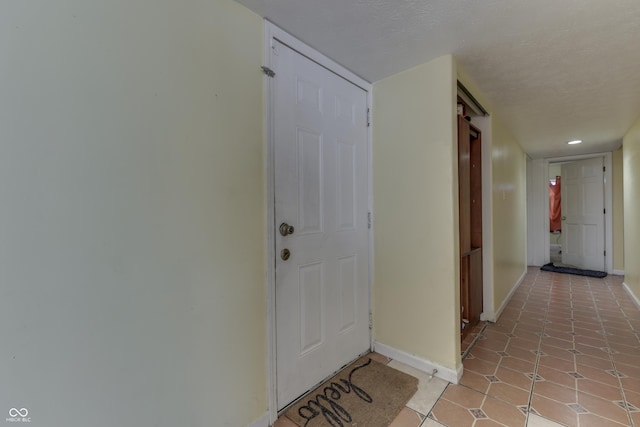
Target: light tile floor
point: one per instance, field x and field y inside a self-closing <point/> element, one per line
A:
<point x="564" y="352"/>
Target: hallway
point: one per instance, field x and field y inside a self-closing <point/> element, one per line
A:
<point x="564" y="352"/>
<point x="564" y="348"/>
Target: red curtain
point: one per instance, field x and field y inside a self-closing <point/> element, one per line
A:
<point x="555" y="221"/>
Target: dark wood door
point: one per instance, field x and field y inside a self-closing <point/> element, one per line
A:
<point x="470" y="217"/>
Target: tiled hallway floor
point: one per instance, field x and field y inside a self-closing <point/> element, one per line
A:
<point x="566" y="351"/>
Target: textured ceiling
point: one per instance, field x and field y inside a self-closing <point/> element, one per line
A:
<point x="554" y="70"/>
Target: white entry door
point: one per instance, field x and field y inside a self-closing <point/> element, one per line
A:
<point x="582" y="205"/>
<point x="322" y="291"/>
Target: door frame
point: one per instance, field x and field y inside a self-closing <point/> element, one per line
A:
<point x="608" y="204"/>
<point x="488" y="310"/>
<point x="271" y="33"/>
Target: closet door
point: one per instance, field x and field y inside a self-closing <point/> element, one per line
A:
<point x="470" y="227"/>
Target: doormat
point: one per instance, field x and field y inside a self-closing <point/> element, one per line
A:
<point x="364" y="394"/>
<point x="576" y="271"/>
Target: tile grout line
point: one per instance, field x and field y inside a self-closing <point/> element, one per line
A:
<point x="435" y="403"/>
<point x="615" y="368"/>
<point x="526" y="414"/>
<point x="535" y="368"/>
<point x="474" y="341"/>
<point x="613" y="362"/>
<point x="495" y="372"/>
<point x="604" y="335"/>
<point x="540" y="291"/>
<point x="485" y="394"/>
<point x="573" y="329"/>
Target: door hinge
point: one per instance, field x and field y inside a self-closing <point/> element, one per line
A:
<point x="370" y="321"/>
<point x="368" y="117"/>
<point x="268" y="71"/>
<point x="605" y="253"/>
<point x="604" y="168"/>
<point x="604" y="211"/>
<point x="369" y="220"/>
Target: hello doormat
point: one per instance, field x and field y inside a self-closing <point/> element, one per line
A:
<point x="364" y="394"/>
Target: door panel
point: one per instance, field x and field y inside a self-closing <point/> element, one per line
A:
<point x="347" y="285"/>
<point x="311" y="288"/>
<point x="320" y="155"/>
<point x="346" y="154"/>
<point x="582" y="202"/>
<point x="310" y="179"/>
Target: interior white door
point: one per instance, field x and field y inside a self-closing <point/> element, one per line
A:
<point x="322" y="292"/>
<point x="582" y="205"/>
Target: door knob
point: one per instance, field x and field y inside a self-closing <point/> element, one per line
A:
<point x="564" y="218"/>
<point x="285" y="254"/>
<point x="286" y="229"/>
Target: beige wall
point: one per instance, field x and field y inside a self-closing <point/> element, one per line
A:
<point x="509" y="212"/>
<point x="631" y="176"/>
<point x="416" y="290"/>
<point x="132" y="250"/>
<point x="618" y="210"/>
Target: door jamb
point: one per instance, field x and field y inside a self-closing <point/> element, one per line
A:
<point x="272" y="32"/>
<point x="608" y="204"/>
<point x="488" y="309"/>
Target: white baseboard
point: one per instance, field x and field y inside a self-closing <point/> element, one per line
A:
<point x="447" y="374"/>
<point x="617" y="272"/>
<point x="491" y="317"/>
<point x="496" y="315"/>
<point x="263" y="421"/>
<point x="631" y="294"/>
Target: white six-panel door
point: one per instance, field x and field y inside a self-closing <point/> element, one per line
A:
<point x="582" y="205"/>
<point x="320" y="150"/>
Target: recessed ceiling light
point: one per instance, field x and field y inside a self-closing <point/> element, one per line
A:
<point x="577" y="141"/>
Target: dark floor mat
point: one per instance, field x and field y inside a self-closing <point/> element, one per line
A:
<point x="576" y="271"/>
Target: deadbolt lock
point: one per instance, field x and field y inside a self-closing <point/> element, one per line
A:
<point x="286" y="229"/>
<point x="285" y="254"/>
